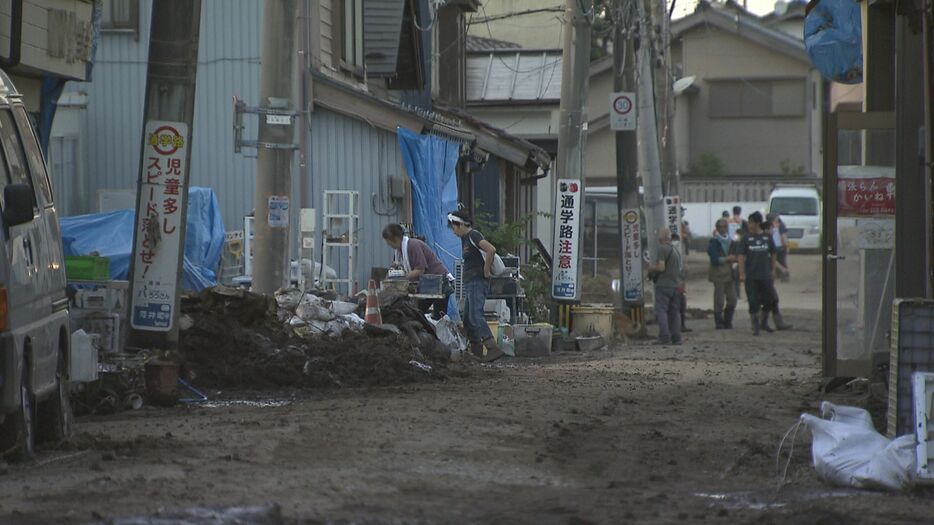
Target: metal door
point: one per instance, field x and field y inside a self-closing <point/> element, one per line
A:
<point x="858" y="241"/>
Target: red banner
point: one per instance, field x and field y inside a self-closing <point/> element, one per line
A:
<point x="860" y="197"/>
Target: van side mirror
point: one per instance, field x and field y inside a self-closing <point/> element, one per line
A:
<point x="18" y="204"/>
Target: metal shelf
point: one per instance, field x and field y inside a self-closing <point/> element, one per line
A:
<point x="341" y="209"/>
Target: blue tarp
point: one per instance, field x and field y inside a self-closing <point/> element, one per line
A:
<point x="111" y="235"/>
<point x="833" y="38"/>
<point x="431" y="163"/>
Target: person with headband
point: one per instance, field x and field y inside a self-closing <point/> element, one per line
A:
<point x="478" y="262"/>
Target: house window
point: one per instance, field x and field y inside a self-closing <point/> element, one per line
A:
<point x="350" y="26"/>
<point x="120" y="15"/>
<point x="744" y="98"/>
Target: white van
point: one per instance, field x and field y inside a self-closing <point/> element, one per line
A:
<point x="34" y="337"/>
<point x="800" y="210"/>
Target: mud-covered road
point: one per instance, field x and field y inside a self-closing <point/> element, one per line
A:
<point x="633" y="434"/>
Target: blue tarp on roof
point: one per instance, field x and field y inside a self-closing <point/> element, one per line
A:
<point x="111" y="235"/>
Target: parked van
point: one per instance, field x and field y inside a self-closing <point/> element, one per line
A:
<point x="34" y="336"/>
<point x="800" y="209"/>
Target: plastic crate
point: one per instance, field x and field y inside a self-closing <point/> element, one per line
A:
<point x="912" y="351"/>
<point x="87" y="268"/>
<point x="533" y="340"/>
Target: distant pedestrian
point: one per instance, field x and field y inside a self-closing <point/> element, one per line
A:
<point x="665" y="272"/>
<point x="722" y="258"/>
<point x="682" y="289"/>
<point x="771" y="229"/>
<point x="756" y="267"/>
<point x="737" y="229"/>
<point x="780" y="238"/>
<point x="478" y="263"/>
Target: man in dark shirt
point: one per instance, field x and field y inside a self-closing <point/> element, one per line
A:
<point x="478" y="263"/>
<point x="417" y="259"/>
<point x="757" y="268"/>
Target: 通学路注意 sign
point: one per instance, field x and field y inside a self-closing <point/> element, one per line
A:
<point x="622" y="111"/>
<point x="159" y="219"/>
<point x="564" y="274"/>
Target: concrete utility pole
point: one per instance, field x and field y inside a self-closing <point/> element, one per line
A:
<point x="647" y="132"/>
<point x="627" y="149"/>
<point x="664" y="94"/>
<point x="575" y="81"/>
<point x="275" y="151"/>
<point x="162" y="191"/>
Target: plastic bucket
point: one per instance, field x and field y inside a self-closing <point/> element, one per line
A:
<point x="586" y="320"/>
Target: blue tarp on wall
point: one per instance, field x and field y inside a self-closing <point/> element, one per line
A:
<point x="111" y="235"/>
<point x="833" y="38"/>
<point x="431" y="163"/>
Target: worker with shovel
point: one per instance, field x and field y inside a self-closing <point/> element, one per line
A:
<point x="478" y="264"/>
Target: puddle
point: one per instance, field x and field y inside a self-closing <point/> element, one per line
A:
<point x="772" y="500"/>
<point x="262" y="403"/>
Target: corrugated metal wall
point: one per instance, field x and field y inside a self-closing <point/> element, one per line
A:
<point x="228" y="64"/>
<point x="349" y="154"/>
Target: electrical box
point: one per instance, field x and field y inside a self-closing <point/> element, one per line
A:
<point x="397" y="187"/>
<point x="912" y="351"/>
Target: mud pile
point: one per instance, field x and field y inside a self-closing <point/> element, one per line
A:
<point x="235" y="339"/>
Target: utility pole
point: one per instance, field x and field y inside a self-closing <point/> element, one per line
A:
<point x="275" y="149"/>
<point x="627" y="150"/>
<point x="664" y="94"/>
<point x="647" y="132"/>
<point x="162" y="189"/>
<point x="575" y="80"/>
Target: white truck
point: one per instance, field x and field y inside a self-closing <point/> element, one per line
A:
<point x="800" y="210"/>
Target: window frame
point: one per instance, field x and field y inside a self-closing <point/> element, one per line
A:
<point x="130" y="26"/>
<point x="34" y="158"/>
<point x="9" y="150"/>
<point x="746" y="84"/>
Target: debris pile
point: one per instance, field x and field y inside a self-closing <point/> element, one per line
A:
<point x="232" y="338"/>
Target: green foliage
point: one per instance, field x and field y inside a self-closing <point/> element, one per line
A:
<point x="789" y="171"/>
<point x="708" y="165"/>
<point x="508" y="238"/>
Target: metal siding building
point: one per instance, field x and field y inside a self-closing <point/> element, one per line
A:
<point x="228" y="64"/>
<point x="349" y="154"/>
<point x="344" y="153"/>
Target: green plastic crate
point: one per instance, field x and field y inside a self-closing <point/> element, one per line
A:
<point x="87" y="268"/>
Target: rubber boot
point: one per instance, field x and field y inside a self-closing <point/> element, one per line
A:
<point x="728" y="318"/>
<point x="755" y="323"/>
<point x="765" y="323"/>
<point x="476" y="348"/>
<point x="780" y="323"/>
<point x="718" y="320"/>
<point x="492" y="350"/>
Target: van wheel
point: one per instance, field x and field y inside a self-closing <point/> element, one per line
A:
<point x="55" y="416"/>
<point x="17" y="434"/>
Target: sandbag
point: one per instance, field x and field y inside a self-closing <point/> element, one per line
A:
<point x="847" y="450"/>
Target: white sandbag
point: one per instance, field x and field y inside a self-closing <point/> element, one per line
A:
<point x="309" y="311"/>
<point x="448" y="334"/>
<point x="847" y="450"/>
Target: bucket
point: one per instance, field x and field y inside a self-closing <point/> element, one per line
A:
<point x="589" y="319"/>
<point x="161" y="380"/>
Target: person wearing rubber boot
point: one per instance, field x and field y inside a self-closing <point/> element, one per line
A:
<point x="720" y="274"/>
<point x="771" y="227"/>
<point x="478" y="263"/>
<point x="666" y="273"/>
<point x="757" y="260"/>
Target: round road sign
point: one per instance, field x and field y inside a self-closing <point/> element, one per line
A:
<point x="622" y="104"/>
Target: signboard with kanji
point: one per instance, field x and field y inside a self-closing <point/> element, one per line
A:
<point x="673" y="214"/>
<point x="622" y="111"/>
<point x="865" y="196"/>
<point x="159" y="239"/>
<point x="564" y="271"/>
<point x="632" y="256"/>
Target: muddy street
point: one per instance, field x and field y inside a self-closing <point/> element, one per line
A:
<point x="633" y="434"/>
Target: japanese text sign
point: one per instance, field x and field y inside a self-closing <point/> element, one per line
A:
<point x="632" y="255"/>
<point x="564" y="271"/>
<point x="865" y="196"/>
<point x="159" y="223"/>
<point x="673" y="214"/>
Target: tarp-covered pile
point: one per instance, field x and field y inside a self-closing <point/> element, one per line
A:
<point x="111" y="235"/>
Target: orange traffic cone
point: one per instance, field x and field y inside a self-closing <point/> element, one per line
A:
<point x="373" y="316"/>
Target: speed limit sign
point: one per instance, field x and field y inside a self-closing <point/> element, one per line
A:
<point x="623" y="111"/>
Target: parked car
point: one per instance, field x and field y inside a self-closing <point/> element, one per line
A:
<point x="34" y="335"/>
<point x="800" y="209"/>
